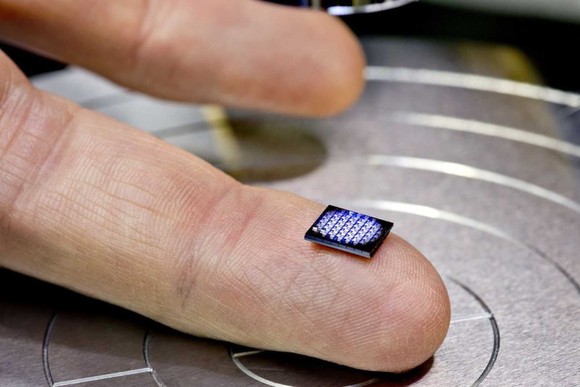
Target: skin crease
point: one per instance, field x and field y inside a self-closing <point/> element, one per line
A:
<point x="113" y="213"/>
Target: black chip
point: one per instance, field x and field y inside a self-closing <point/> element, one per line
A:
<point x="349" y="231"/>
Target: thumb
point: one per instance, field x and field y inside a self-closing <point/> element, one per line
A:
<point x="248" y="54"/>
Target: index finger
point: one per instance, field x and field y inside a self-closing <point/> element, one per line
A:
<point x="111" y="212"/>
<point x="240" y="53"/>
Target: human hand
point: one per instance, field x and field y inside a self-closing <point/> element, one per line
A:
<point x="111" y="212"/>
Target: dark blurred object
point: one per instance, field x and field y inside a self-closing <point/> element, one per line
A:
<point x="547" y="43"/>
<point x="31" y="64"/>
<point x="347" y="7"/>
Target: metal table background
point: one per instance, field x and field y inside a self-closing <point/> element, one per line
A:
<point x="481" y="172"/>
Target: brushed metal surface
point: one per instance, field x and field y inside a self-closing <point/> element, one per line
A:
<point x="477" y="168"/>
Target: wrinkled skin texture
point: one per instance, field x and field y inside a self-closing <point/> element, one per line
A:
<point x="98" y="207"/>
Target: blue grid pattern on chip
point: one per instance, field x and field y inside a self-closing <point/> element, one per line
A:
<point x="348" y="227"/>
<point x="349" y="231"/>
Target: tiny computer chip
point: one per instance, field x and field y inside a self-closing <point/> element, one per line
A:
<point x="349" y="231"/>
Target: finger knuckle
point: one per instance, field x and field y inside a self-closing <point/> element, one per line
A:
<point x="29" y="144"/>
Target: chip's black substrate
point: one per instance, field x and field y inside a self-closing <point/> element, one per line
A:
<point x="349" y="231"/>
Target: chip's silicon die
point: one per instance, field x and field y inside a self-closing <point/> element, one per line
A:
<point x="349" y="231"/>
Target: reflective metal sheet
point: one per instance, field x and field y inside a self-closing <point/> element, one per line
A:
<point x="494" y="207"/>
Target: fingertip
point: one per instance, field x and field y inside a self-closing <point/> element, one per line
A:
<point x="402" y="314"/>
<point x="417" y="312"/>
<point x="423" y="311"/>
<point x="338" y="82"/>
<point x="262" y="56"/>
<point x="307" y="64"/>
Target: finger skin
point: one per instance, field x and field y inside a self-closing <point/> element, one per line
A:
<point x="242" y="53"/>
<point x="113" y="213"/>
